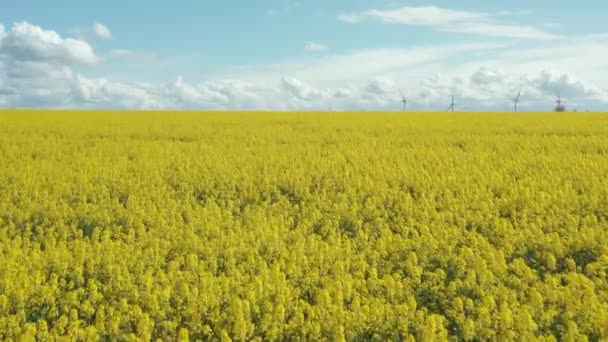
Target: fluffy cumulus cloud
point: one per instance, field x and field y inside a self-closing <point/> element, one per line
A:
<point x="483" y="90"/>
<point x="102" y="93"/>
<point x="299" y="89"/>
<point x="555" y="83"/>
<point x="27" y="42"/>
<point x="36" y="66"/>
<point x="381" y="86"/>
<point x="492" y="89"/>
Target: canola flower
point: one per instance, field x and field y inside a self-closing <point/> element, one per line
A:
<point x="303" y="226"/>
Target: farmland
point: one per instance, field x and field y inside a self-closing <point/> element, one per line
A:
<point x="343" y="226"/>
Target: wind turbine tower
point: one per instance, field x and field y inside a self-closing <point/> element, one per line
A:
<point x="403" y="100"/>
<point x="516" y="100"/>
<point x="560" y="107"/>
<point x="452" y="105"/>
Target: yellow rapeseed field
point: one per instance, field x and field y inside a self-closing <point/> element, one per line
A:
<point x="303" y="226"/>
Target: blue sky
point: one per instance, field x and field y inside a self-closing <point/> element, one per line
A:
<point x="303" y="55"/>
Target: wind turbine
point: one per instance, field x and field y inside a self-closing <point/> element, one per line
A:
<point x="403" y="100"/>
<point x="516" y="100"/>
<point x="560" y="107"/>
<point x="452" y="105"/>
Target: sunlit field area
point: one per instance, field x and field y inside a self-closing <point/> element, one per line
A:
<point x="303" y="226"/>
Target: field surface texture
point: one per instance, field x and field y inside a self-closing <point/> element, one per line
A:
<point x="315" y="226"/>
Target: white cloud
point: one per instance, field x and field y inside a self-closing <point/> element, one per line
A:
<point x="485" y="76"/>
<point x="247" y="95"/>
<point x="185" y="93"/>
<point x="27" y="42"/>
<point x="381" y="86"/>
<point x="342" y="93"/>
<point x="449" y="20"/>
<point x="34" y="84"/>
<point x="427" y="15"/>
<point x="302" y="90"/>
<point x="484" y="89"/>
<point x="35" y="65"/>
<point x="38" y="70"/>
<point x="493" y="89"/>
<point x="551" y="83"/>
<point x="102" y="93"/>
<point x="314" y="46"/>
<point x="101" y="31"/>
